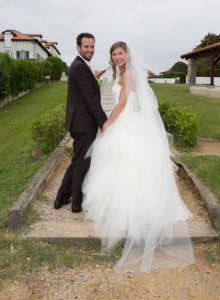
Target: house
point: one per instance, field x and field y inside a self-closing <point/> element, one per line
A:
<point x="27" y="45"/>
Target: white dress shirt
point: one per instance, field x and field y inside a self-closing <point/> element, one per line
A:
<point x="88" y="64"/>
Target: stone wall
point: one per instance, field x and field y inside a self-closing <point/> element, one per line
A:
<point x="207" y="91"/>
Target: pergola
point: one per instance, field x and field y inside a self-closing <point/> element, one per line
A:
<point x="212" y="52"/>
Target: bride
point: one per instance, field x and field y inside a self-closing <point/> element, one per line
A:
<point x="130" y="192"/>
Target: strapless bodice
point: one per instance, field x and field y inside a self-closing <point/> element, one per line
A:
<point x="132" y="101"/>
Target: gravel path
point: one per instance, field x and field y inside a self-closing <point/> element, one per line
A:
<point x="199" y="281"/>
<point x="63" y="223"/>
<point x="207" y="147"/>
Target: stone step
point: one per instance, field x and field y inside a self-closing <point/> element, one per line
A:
<point x="78" y="228"/>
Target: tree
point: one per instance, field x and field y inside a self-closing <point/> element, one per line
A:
<point x="209" y="39"/>
<point x="179" y="67"/>
<point x="57" y="67"/>
<point x="204" y="64"/>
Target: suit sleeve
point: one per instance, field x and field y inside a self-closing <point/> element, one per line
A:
<point x="82" y="77"/>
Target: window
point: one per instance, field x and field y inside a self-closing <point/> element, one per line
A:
<point x="22" y="54"/>
<point x="39" y="57"/>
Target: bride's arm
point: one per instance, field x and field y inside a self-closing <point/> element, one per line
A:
<point x="120" y="105"/>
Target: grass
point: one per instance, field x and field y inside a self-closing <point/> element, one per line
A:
<point x="16" y="164"/>
<point x="206" y="109"/>
<point x="212" y="252"/>
<point x="21" y="256"/>
<point x="207" y="168"/>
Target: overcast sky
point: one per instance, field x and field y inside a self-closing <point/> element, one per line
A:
<point x="159" y="30"/>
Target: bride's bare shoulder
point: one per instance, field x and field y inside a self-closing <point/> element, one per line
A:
<point x="128" y="79"/>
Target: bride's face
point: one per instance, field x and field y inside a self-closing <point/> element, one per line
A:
<point x="119" y="56"/>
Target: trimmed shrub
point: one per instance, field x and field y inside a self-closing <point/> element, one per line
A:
<point x="57" y="67"/>
<point x="180" y="123"/>
<point x="49" y="130"/>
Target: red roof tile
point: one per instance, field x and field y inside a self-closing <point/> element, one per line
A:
<point x="18" y="36"/>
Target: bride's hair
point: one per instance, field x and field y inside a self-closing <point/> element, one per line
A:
<point x="113" y="47"/>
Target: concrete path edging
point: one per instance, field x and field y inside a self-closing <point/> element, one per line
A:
<point x="36" y="185"/>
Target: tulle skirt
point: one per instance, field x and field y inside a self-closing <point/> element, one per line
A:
<point x="130" y="194"/>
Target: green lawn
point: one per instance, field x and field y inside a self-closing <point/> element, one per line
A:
<point x="19" y="256"/>
<point x="207" y="168"/>
<point x="16" y="164"/>
<point x="207" y="109"/>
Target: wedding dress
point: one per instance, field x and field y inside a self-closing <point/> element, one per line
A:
<point x="130" y="193"/>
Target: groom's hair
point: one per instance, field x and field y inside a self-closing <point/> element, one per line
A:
<point x="82" y="35"/>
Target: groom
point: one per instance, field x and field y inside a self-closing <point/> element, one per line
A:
<point x="84" y="115"/>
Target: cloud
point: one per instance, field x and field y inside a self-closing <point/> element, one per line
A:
<point x="160" y="31"/>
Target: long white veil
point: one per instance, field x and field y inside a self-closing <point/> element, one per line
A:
<point x="163" y="241"/>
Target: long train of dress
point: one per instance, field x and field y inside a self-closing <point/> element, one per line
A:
<point x="130" y="194"/>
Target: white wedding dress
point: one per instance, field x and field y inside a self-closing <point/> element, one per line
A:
<point x="130" y="194"/>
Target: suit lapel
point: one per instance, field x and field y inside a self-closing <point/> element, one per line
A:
<point x="93" y="76"/>
<point x="78" y="57"/>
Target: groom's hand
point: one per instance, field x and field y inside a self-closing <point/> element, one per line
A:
<point x="99" y="73"/>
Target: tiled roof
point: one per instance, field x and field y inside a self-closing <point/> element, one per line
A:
<point x="50" y="44"/>
<point x="35" y="34"/>
<point x="19" y="36"/>
<point x="151" y="73"/>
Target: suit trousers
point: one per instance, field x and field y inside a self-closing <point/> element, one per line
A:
<point x="75" y="173"/>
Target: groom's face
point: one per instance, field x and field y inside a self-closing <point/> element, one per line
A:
<point x="87" y="48"/>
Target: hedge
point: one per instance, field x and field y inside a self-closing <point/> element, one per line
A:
<point x="5" y="73"/>
<point x="49" y="130"/>
<point x="180" y="123"/>
<point x="17" y="75"/>
<point x="57" y="67"/>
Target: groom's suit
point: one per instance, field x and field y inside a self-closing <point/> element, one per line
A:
<point x="84" y="114"/>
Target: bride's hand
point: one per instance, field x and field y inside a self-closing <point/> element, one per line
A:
<point x="105" y="126"/>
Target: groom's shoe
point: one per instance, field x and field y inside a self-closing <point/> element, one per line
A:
<point x="76" y="209"/>
<point x="58" y="205"/>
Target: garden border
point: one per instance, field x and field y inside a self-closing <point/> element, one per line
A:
<point x="208" y="197"/>
<point x="36" y="185"/>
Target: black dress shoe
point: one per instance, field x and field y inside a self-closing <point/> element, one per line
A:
<point x="58" y="205"/>
<point x="76" y="209"/>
